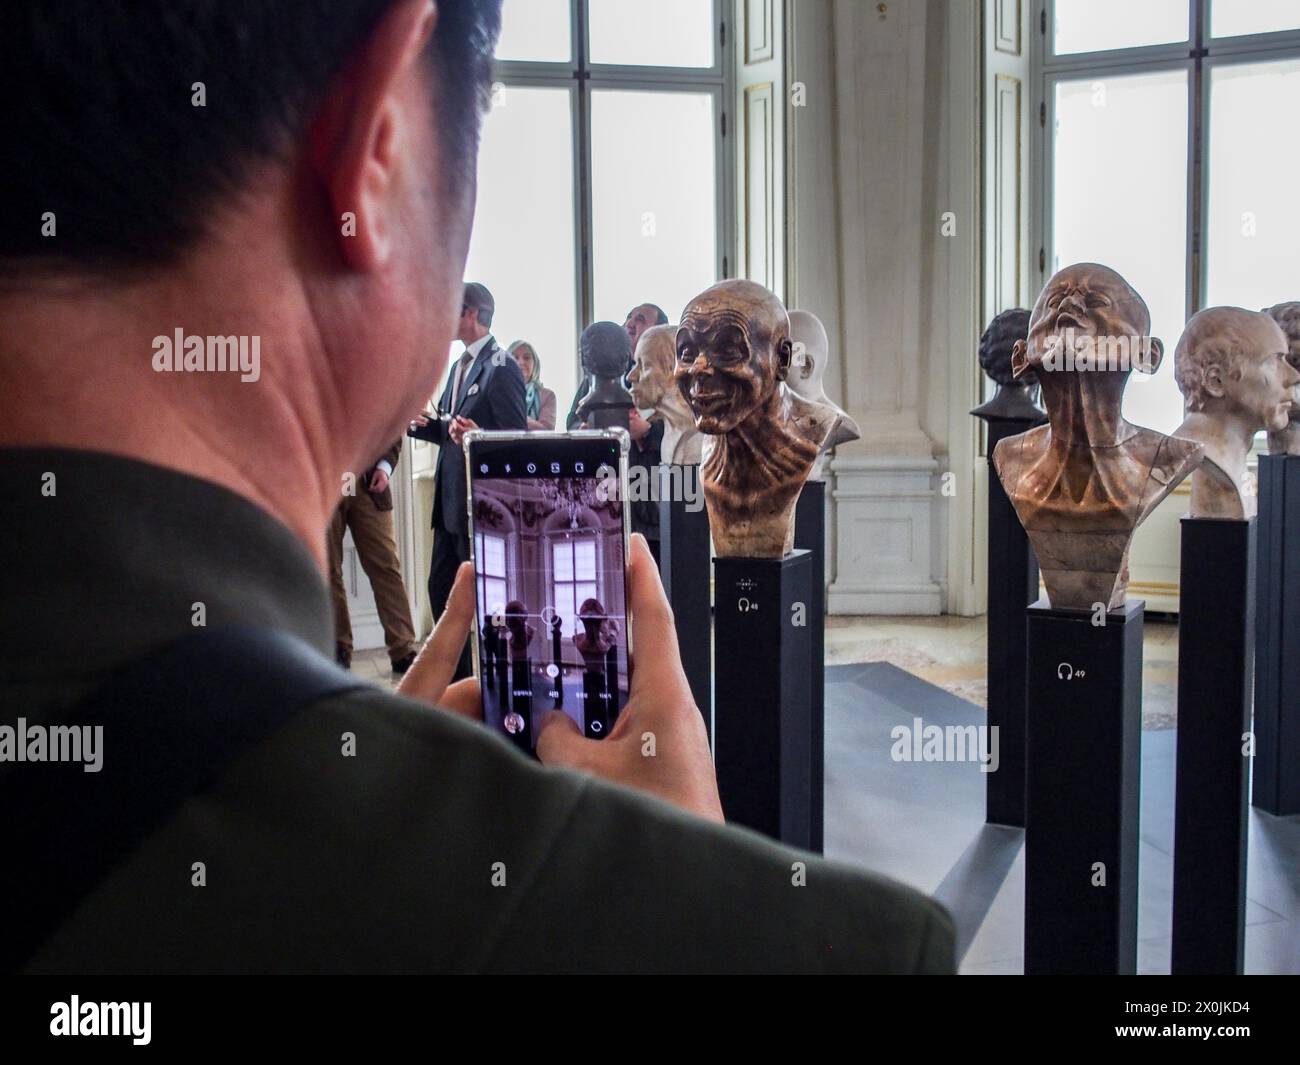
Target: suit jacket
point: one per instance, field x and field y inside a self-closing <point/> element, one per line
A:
<point x="491" y="396"/>
<point x="572" y="421"/>
<point x="382" y="500"/>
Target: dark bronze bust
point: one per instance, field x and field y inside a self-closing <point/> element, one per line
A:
<point x="606" y="356"/>
<point x="733" y="355"/>
<point x="1085" y="481"/>
<point x="1016" y="399"/>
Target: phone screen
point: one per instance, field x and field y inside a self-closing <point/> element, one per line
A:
<point x="549" y="530"/>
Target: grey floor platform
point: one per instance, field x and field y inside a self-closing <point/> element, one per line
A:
<point x="923" y="823"/>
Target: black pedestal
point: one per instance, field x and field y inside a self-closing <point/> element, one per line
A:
<point x="1013" y="585"/>
<point x="810" y="534"/>
<point x="684" y="568"/>
<point x="1083" y="730"/>
<point x="1277" y="638"/>
<point x="763" y="693"/>
<point x="1215" y="623"/>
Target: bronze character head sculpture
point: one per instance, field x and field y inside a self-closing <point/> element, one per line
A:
<point x="606" y="355"/>
<point x="1084" y="482"/>
<point x="1016" y="398"/>
<point x="734" y="353"/>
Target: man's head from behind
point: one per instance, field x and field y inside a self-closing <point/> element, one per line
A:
<point x="476" y="311"/>
<point x="301" y="171"/>
<point x="1232" y="363"/>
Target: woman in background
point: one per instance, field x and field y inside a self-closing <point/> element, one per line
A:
<point x="539" y="402"/>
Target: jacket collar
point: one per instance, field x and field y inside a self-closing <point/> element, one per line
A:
<point x="125" y="557"/>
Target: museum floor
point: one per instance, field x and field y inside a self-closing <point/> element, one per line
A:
<point x="923" y="822"/>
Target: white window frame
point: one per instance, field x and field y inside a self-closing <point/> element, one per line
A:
<point x="581" y="77"/>
<point x="1197" y="55"/>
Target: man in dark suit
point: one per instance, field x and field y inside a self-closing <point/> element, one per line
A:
<point x="485" y="390"/>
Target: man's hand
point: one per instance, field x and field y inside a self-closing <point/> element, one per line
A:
<point x="379" y="481"/>
<point x="419" y="421"/>
<point x="637" y="426"/>
<point x="459" y="427"/>
<point x="660" y="716"/>
<point x="427" y="679"/>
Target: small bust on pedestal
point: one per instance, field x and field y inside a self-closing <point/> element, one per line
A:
<point x="519" y="630"/>
<point x="1232" y="369"/>
<point x="1083" y="483"/>
<point x="733" y="357"/>
<point x="653" y="388"/>
<point x="811" y="354"/>
<point x="1016" y="399"/>
<point x="598" y="635"/>
<point x="606" y="354"/>
<point x="1287" y="441"/>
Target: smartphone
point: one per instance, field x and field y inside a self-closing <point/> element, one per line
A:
<point x="549" y="528"/>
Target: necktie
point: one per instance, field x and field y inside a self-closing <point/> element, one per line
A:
<point x="461" y="367"/>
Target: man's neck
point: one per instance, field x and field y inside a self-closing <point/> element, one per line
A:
<point x="76" y="371"/>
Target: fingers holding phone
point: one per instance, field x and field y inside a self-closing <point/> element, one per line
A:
<point x="430" y="674"/>
<point x="659" y="743"/>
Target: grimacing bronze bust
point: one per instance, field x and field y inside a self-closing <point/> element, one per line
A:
<point x="1287" y="315"/>
<point x="733" y="355"/>
<point x="1082" y="483"/>
<point x="1232" y="369"/>
<point x="654" y="388"/>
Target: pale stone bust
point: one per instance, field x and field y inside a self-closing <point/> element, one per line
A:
<point x="1084" y="482"/>
<point x="1232" y="369"/>
<point x="807" y="370"/>
<point x="1287" y="315"/>
<point x="734" y="355"/>
<point x="654" y="388"/>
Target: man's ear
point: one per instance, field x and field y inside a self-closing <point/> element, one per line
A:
<point x="368" y="130"/>
<point x="784" y="353"/>
<point x="1155" y="355"/>
<point x="1019" y="358"/>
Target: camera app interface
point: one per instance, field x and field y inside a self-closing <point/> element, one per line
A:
<point x="548" y="554"/>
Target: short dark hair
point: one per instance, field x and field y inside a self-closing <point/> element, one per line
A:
<point x="96" y="105"/>
<point x="478" y="297"/>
